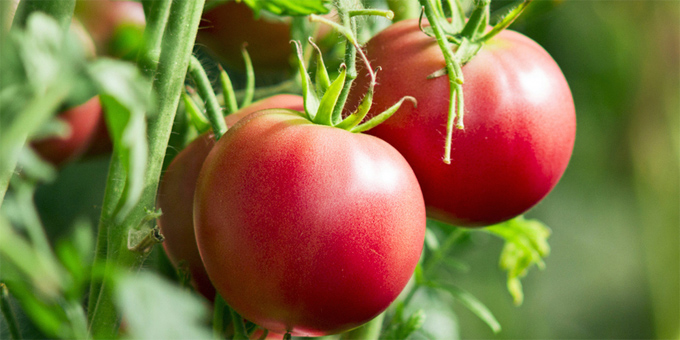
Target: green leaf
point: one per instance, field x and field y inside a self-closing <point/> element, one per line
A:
<point x="125" y="97"/>
<point x="288" y="7"/>
<point x="471" y="303"/>
<point x="526" y="245"/>
<point x="431" y="240"/>
<point x="157" y="309"/>
<point x="402" y="329"/>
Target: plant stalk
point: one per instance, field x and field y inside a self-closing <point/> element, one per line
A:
<point x="455" y="75"/>
<point x="205" y="90"/>
<point x="177" y="43"/>
<point x="156" y="20"/>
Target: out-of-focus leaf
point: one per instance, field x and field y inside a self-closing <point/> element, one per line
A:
<point x="41" y="66"/>
<point x="50" y="318"/>
<point x="431" y="241"/>
<point x="402" y="329"/>
<point x="288" y="7"/>
<point x="470" y="302"/>
<point x="34" y="167"/>
<point x="156" y="309"/>
<point x="40" y="269"/>
<point x="75" y="253"/>
<point x="526" y="244"/>
<point x="125" y="96"/>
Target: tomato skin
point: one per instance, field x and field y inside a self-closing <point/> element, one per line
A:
<point x="519" y="120"/>
<point x="226" y="27"/>
<point x="82" y="121"/>
<point x="307" y="228"/>
<point x="176" y="192"/>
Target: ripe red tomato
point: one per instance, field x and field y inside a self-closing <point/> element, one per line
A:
<point x="176" y="193"/>
<point x="226" y="27"/>
<point x="519" y="120"/>
<point x="82" y="121"/>
<point x="307" y="228"/>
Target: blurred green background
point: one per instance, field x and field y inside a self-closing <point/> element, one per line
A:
<point x="615" y="264"/>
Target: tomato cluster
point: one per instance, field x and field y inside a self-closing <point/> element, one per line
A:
<point x="519" y="131"/>
<point x="312" y="230"/>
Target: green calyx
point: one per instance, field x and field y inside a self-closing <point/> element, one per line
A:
<point x="325" y="99"/>
<point x="467" y="39"/>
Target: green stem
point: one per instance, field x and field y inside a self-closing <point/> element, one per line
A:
<point x="368" y="331"/>
<point x="156" y="20"/>
<point x="8" y="313"/>
<point x="249" y="91"/>
<point x="455" y="75"/>
<point x="112" y="247"/>
<point x="219" y="317"/>
<point x="478" y="19"/>
<point x="61" y="10"/>
<point x="205" y="90"/>
<point x="505" y="23"/>
<point x="228" y="94"/>
<point x="404" y="9"/>
<point x="239" y="327"/>
<point x="372" y="11"/>
<point x="350" y="60"/>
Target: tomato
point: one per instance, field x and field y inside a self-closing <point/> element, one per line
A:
<point x="519" y="121"/>
<point x="226" y="27"/>
<point x="176" y="192"/>
<point x="115" y="26"/>
<point x="82" y="121"/>
<point x="307" y="228"/>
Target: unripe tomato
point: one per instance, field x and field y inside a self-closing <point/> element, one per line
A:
<point x="519" y="123"/>
<point x="225" y="28"/>
<point x="82" y="121"/>
<point x="305" y="228"/>
<point x="176" y="194"/>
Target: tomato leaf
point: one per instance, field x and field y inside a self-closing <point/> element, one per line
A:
<point x="157" y="309"/>
<point x="124" y="95"/>
<point x="526" y="245"/>
<point x="42" y="67"/>
<point x="288" y="7"/>
<point x="471" y="303"/>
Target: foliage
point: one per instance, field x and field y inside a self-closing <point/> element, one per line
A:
<point x="45" y="68"/>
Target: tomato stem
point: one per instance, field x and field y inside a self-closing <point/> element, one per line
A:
<point x="156" y="19"/>
<point x="505" y="22"/>
<point x="372" y="11"/>
<point x="239" y="327"/>
<point x="207" y="93"/>
<point x="455" y="75"/>
<point x="228" y="94"/>
<point x="403" y="9"/>
<point x="250" y="78"/>
<point x="111" y="250"/>
<point x="196" y="118"/>
<point x="220" y="318"/>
